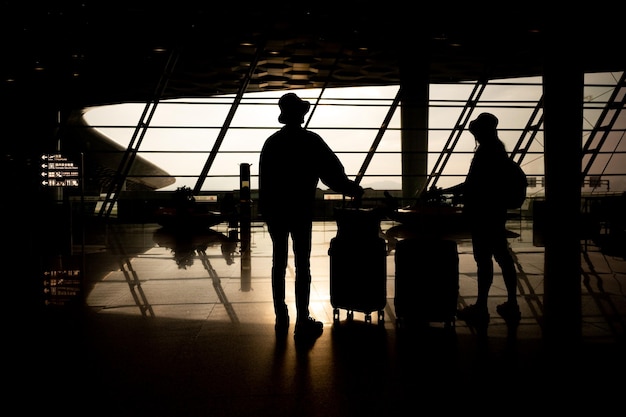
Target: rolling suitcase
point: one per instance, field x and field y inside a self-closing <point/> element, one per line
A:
<point x="426" y="281"/>
<point x="358" y="276"/>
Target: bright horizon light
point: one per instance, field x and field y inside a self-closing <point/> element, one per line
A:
<point x="183" y="132"/>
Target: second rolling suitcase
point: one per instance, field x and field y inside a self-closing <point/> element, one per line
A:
<point x="426" y="281"/>
<point x="358" y="276"/>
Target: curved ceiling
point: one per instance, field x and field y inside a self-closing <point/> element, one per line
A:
<point x="92" y="52"/>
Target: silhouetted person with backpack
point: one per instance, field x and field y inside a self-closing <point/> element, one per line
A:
<point x="292" y="162"/>
<point x="486" y="212"/>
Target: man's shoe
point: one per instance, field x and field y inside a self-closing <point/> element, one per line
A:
<point x="509" y="312"/>
<point x="308" y="328"/>
<point x="282" y="324"/>
<point x="474" y="315"/>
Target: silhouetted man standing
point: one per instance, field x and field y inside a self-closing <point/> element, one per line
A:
<point x="292" y="162"/>
<point x="486" y="213"/>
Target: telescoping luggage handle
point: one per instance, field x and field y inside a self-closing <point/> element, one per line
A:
<point x="353" y="202"/>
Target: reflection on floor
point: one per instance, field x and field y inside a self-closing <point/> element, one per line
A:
<point x="182" y="325"/>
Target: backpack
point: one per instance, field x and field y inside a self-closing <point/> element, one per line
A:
<point x="515" y="191"/>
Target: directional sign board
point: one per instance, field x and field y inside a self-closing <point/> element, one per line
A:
<point x="62" y="280"/>
<point x="58" y="171"/>
<point x="61" y="287"/>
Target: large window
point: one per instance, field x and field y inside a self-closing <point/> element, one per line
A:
<point x="183" y="133"/>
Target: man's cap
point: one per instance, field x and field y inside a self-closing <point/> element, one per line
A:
<point x="292" y="107"/>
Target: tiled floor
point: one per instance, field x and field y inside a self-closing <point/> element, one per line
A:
<point x="161" y="339"/>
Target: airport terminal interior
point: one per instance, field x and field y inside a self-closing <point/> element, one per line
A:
<point x="141" y="268"/>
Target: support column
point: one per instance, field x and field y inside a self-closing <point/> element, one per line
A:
<point x="414" y="135"/>
<point x="563" y="82"/>
<point x="29" y="122"/>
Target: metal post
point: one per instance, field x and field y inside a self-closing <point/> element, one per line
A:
<point x="244" y="225"/>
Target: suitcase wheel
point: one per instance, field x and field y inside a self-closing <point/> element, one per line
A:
<point x="350" y="316"/>
<point x="381" y="317"/>
<point x="336" y="315"/>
